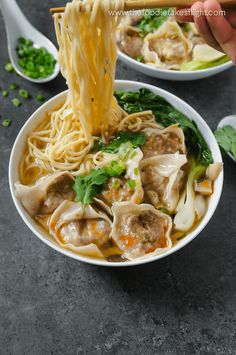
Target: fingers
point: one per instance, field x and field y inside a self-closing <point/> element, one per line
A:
<point x="221" y="29"/>
<point x="187" y="15"/>
<point x="231" y="17"/>
<point x="203" y="26"/>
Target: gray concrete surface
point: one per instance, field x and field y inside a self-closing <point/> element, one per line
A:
<point x="49" y="304"/>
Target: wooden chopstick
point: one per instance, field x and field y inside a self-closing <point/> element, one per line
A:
<point x="151" y="4"/>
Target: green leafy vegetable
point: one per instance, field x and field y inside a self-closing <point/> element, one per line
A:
<point x="24" y="93"/>
<point x="136" y="139"/>
<point x="185" y="217"/>
<point x="166" y="115"/>
<point x="5" y="93"/>
<point x="35" y="62"/>
<point x="87" y="187"/>
<point x="97" y="146"/>
<point x="16" y="102"/>
<point x="153" y="19"/>
<point x="226" y="138"/>
<point x="6" y="122"/>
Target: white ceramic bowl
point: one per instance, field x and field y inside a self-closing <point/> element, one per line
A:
<point x="172" y="74"/>
<point x="38" y="115"/>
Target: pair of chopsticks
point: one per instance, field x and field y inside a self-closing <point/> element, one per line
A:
<point x="151" y="4"/>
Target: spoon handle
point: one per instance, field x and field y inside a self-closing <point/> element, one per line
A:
<point x="14" y="19"/>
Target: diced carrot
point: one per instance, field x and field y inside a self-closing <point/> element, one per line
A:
<point x="128" y="240"/>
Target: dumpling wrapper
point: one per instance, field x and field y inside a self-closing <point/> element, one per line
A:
<point x="111" y="195"/>
<point x="169" y="140"/>
<point x="68" y="214"/>
<point x="161" y="177"/>
<point x="167" y="48"/>
<point x="32" y="197"/>
<point x="127" y="226"/>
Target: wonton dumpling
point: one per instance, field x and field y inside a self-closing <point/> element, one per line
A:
<point x="129" y="41"/>
<point x="168" y="47"/>
<point x="164" y="141"/>
<point x="118" y="189"/>
<point x="46" y="194"/>
<point x="81" y="228"/>
<point x="162" y="179"/>
<point x="139" y="230"/>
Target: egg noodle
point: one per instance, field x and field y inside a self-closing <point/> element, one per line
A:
<point x="87" y="56"/>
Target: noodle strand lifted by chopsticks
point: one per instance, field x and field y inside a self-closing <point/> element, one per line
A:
<point x="87" y="56"/>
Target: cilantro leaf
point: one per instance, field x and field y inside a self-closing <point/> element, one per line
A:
<point x="226" y="138"/>
<point x="153" y="19"/>
<point x="87" y="187"/>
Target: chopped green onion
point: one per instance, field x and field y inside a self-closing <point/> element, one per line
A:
<point x="40" y="98"/>
<point x="133" y="154"/>
<point x="6" y="123"/>
<point x="35" y="62"/>
<point x="9" y="67"/>
<point x="136" y="171"/>
<point x="124" y="150"/>
<point x="13" y="86"/>
<point x="131" y="184"/>
<point x="5" y="93"/>
<point x="16" y="102"/>
<point x="116" y="184"/>
<point x="140" y="59"/>
<point x="116" y="168"/>
<point x="23" y="93"/>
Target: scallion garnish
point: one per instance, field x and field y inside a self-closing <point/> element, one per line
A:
<point x="35" y="62"/>
<point x="5" y="93"/>
<point x="6" y="122"/>
<point x="16" y="102"/>
<point x="131" y="184"/>
<point x="13" y="86"/>
<point x="9" y="67"/>
<point x="40" y="98"/>
<point x="23" y="93"/>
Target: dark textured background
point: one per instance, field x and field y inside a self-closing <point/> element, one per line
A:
<point x="50" y="304"/>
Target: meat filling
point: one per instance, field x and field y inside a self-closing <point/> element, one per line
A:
<point x="166" y="143"/>
<point x="84" y="232"/>
<point x="56" y="194"/>
<point x="117" y="190"/>
<point x="130" y="42"/>
<point x="142" y="234"/>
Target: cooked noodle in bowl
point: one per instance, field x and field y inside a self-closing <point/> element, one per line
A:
<point x="112" y="173"/>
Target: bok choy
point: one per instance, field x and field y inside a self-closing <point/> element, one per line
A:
<point x="167" y="115"/>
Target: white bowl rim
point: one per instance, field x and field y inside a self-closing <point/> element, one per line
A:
<point x="186" y="240"/>
<point x="187" y="73"/>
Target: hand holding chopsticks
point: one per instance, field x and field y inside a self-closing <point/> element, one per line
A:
<point x="151" y="4"/>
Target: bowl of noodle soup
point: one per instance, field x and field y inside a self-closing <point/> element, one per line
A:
<point x="154" y="43"/>
<point x="126" y="86"/>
